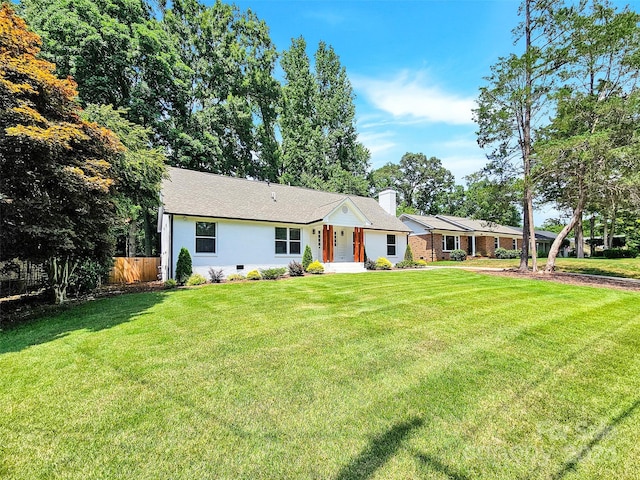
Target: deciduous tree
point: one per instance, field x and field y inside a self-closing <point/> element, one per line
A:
<point x="55" y="198"/>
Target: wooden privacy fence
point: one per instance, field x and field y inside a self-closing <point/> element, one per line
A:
<point x="134" y="269"/>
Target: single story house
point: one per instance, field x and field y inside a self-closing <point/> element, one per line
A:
<point x="544" y="240"/>
<point x="239" y="225"/>
<point x="433" y="237"/>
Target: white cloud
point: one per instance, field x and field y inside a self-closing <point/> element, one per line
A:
<point x="377" y="142"/>
<point x="410" y="95"/>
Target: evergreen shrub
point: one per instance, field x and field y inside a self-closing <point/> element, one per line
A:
<point x="196" y="279"/>
<point x="458" y="255"/>
<point x="273" y="273"/>
<point x="235" y="277"/>
<point x="307" y="257"/>
<point x="184" y="267"/>
<point x="254" y="275"/>
<point x="408" y="254"/>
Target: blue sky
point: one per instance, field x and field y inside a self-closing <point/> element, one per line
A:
<point x="415" y="66"/>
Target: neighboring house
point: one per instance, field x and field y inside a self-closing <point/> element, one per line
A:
<point x="544" y="240"/>
<point x="433" y="237"/>
<point x="239" y="225"/>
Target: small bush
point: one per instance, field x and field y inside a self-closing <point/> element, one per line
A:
<point x="184" y="267"/>
<point x="296" y="269"/>
<point x="383" y="264"/>
<point x="196" y="279"/>
<point x="315" y="267"/>
<point x="369" y="264"/>
<point x="458" y="255"/>
<point x="216" y="275"/>
<point x="408" y="254"/>
<point x="254" y="275"/>
<point x="273" y="273"/>
<point x="307" y="257"/>
<point x="170" y="283"/>
<point x="503" y="253"/>
<point x="420" y="263"/>
<point x="405" y="264"/>
<point x="620" y="253"/>
<point x="235" y="277"/>
<point x="88" y="277"/>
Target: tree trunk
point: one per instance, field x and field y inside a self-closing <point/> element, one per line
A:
<point x="524" y="254"/>
<point x="592" y="225"/>
<point x="132" y="238"/>
<point x="579" y="236"/>
<point x="148" y="233"/>
<point x="532" y="236"/>
<point x="605" y="231"/>
<point x="613" y="226"/>
<point x="555" y="246"/>
<point x="59" y="271"/>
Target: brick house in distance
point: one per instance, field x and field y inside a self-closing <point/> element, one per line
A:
<point x="433" y="237"/>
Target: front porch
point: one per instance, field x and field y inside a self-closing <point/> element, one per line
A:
<point x="344" y="267"/>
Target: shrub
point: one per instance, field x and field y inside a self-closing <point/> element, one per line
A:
<point x="503" y="253"/>
<point x="184" y="267"/>
<point x="408" y="254"/>
<point x="89" y="276"/>
<point x="216" y="275"/>
<point x="315" y="267"/>
<point x="420" y="263"/>
<point x="170" y="283"/>
<point x="369" y="264"/>
<point x="235" y="277"/>
<point x="196" y="279"/>
<point x="307" y="257"/>
<point x="405" y="264"/>
<point x="296" y="269"/>
<point x="620" y="253"/>
<point x="458" y="255"/>
<point x="254" y="275"/>
<point x="383" y="264"/>
<point x="273" y="273"/>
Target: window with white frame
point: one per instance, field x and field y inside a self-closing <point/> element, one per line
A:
<point x="288" y="241"/>
<point x="450" y="242"/>
<point x="205" y="237"/>
<point x="496" y="243"/>
<point x="515" y="244"/>
<point x="391" y="245"/>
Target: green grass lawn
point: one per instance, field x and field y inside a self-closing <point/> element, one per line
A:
<point x="617" y="267"/>
<point x="440" y="374"/>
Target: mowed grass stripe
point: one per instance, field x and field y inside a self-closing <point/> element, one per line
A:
<point x="380" y="375"/>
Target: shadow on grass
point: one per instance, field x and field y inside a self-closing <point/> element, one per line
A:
<point x="571" y="464"/>
<point x="378" y="451"/>
<point x="435" y="464"/>
<point x="92" y="316"/>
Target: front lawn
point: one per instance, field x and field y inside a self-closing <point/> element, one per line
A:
<point x="615" y="267"/>
<point x="440" y="374"/>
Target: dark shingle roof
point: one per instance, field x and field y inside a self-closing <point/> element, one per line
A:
<point x="187" y="192"/>
<point x="460" y="224"/>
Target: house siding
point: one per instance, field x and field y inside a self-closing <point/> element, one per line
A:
<point x="252" y="244"/>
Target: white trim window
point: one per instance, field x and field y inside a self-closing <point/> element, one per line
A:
<point x="205" y="237"/>
<point x="288" y="241"/>
<point x="450" y="242"/>
<point x="391" y="245"/>
<point x="496" y="243"/>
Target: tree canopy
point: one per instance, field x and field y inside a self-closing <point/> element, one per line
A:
<point x="54" y="167"/>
